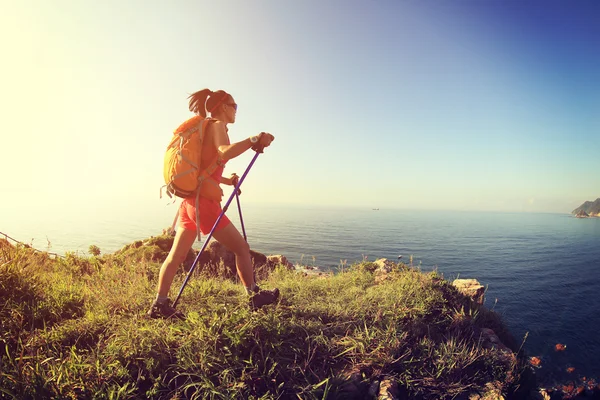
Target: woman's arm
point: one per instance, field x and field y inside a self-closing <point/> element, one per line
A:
<point x="232" y="180"/>
<point x="228" y="150"/>
<point x="224" y="147"/>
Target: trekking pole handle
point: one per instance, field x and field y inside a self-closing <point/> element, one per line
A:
<point x="206" y="240"/>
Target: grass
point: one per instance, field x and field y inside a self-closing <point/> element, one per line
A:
<point x="75" y="328"/>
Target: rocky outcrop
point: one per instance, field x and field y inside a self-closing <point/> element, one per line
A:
<point x="471" y="288"/>
<point x="591" y="208"/>
<point x="384" y="266"/>
<point x="490" y="340"/>
<point x="219" y="259"/>
<point x="155" y="249"/>
<point x="216" y="260"/>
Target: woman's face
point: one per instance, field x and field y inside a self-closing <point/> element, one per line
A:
<point x="230" y="109"/>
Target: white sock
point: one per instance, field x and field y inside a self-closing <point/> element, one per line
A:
<point x="161" y="299"/>
<point x="252" y="289"/>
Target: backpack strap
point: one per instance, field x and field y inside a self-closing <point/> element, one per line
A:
<point x="198" y="215"/>
<point x="206" y="174"/>
<point x="203" y="127"/>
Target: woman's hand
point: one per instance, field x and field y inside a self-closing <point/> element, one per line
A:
<point x="264" y="140"/>
<point x="234" y="179"/>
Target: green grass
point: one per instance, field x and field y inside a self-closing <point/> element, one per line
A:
<point x="75" y="328"/>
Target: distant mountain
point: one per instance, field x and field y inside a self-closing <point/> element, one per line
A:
<point x="592" y="208"/>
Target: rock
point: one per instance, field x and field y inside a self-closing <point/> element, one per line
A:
<point x="582" y="214"/>
<point x="308" y="270"/>
<point x="215" y="253"/>
<point x="264" y="268"/>
<point x="168" y="231"/>
<point x="351" y="387"/>
<point x="218" y="258"/>
<point x="490" y="340"/>
<point x="541" y="395"/>
<point x="278" y="259"/>
<point x="382" y="268"/>
<point x="388" y="390"/>
<point x="384" y="265"/>
<point x="373" y="389"/>
<point x="471" y="288"/>
<point x="493" y="391"/>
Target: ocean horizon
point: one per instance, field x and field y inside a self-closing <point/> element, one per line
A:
<point x="538" y="268"/>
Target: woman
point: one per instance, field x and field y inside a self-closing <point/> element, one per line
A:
<point x="222" y="109"/>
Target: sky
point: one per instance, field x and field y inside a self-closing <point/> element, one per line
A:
<point x="431" y="105"/>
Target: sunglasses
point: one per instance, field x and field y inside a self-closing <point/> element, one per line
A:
<point x="233" y="105"/>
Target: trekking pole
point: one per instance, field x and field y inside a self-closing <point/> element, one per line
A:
<point x="237" y="197"/>
<point x="187" y="278"/>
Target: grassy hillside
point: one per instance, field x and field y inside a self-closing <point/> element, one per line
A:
<point x="74" y="327"/>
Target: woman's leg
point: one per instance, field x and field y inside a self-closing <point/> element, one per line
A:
<point x="184" y="239"/>
<point x="229" y="237"/>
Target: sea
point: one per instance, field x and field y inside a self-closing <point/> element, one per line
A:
<point x="540" y="270"/>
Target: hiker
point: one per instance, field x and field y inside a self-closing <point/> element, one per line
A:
<point x="216" y="149"/>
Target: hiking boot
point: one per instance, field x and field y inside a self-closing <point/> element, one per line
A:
<point x="164" y="310"/>
<point x="263" y="298"/>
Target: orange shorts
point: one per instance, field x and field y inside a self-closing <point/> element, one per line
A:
<point x="209" y="212"/>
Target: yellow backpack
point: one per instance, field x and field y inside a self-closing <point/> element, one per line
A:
<point x="183" y="157"/>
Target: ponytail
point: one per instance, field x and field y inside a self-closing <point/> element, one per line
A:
<point x="206" y="99"/>
<point x="198" y="101"/>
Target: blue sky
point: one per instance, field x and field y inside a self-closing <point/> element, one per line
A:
<point x="460" y="105"/>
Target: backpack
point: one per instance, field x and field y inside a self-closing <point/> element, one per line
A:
<point x="183" y="158"/>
